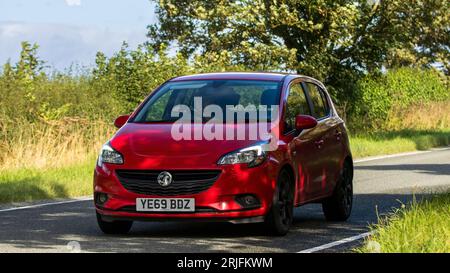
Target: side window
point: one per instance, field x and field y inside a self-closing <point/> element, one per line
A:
<point x="320" y="103"/>
<point x="296" y="105"/>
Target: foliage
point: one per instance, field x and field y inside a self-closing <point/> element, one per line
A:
<point x="425" y="36"/>
<point x="27" y="93"/>
<point x="119" y="83"/>
<point x="335" y="41"/>
<point x="422" y="227"/>
<point x="132" y="74"/>
<point x="383" y="98"/>
<point x="50" y="144"/>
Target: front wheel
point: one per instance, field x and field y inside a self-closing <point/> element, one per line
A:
<point x="339" y="206"/>
<point x="281" y="214"/>
<point x="114" y="227"/>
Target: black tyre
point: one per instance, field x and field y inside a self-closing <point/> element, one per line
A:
<point x="338" y="207"/>
<point x="281" y="214"/>
<point x="115" y="227"/>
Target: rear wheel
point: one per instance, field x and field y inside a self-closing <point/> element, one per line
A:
<point x="339" y="206"/>
<point x="281" y="214"/>
<point x="114" y="227"/>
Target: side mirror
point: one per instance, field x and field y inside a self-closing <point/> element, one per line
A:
<point x="121" y="120"/>
<point x="305" y="122"/>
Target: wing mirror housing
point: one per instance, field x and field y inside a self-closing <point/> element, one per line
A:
<point x="121" y="120"/>
<point x="305" y="122"/>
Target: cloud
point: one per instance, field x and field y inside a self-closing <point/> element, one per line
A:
<point x="62" y="45"/>
<point x="73" y="2"/>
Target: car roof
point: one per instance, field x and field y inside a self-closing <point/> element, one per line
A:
<point x="265" y="76"/>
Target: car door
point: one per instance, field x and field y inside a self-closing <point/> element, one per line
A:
<point x="302" y="143"/>
<point x="327" y="153"/>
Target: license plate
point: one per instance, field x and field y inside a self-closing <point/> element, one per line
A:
<point x="165" y="204"/>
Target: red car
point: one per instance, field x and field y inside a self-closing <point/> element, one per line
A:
<point x="159" y="166"/>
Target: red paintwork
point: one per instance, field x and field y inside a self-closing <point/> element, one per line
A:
<point x="315" y="156"/>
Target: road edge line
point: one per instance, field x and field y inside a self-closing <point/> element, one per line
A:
<point x="337" y="243"/>
<point x="81" y="199"/>
<point x="371" y="158"/>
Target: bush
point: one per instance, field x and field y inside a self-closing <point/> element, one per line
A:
<point x="29" y="94"/>
<point x="383" y="99"/>
<point x="130" y="75"/>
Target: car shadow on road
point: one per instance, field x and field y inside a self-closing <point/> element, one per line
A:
<point x="51" y="228"/>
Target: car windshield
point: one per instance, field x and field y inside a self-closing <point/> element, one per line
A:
<point x="213" y="99"/>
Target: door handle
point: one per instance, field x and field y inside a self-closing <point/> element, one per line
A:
<point x="338" y="135"/>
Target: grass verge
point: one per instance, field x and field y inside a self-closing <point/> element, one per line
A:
<point x="385" y="143"/>
<point x="38" y="184"/>
<point x="423" y="227"/>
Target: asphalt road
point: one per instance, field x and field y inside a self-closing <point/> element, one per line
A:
<point x="380" y="185"/>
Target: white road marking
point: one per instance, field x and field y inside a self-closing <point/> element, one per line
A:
<point x="371" y="158"/>
<point x="48" y="204"/>
<point x="337" y="243"/>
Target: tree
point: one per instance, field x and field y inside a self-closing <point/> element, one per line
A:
<point x="129" y="75"/>
<point x="336" y="41"/>
<point x="29" y="65"/>
<point x="425" y="40"/>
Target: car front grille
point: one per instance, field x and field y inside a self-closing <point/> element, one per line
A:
<point x="184" y="182"/>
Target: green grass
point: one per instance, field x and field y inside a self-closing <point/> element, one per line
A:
<point x="76" y="180"/>
<point x="423" y="227"/>
<point x="38" y="184"/>
<point x="385" y="143"/>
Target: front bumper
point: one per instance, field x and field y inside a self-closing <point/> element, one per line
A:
<point x="218" y="203"/>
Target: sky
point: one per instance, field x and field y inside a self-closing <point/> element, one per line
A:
<point x="72" y="31"/>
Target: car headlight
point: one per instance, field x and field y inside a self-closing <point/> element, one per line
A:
<point x="109" y="155"/>
<point x="253" y="156"/>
